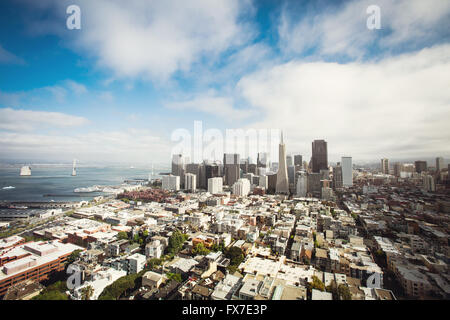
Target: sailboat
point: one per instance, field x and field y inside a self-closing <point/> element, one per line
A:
<point x="74" y="169"/>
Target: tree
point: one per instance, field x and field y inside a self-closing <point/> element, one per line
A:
<point x="344" y="292"/>
<point x="73" y="257"/>
<point x="154" y="262"/>
<point x="115" y="290"/>
<point x="55" y="291"/>
<point x="200" y="249"/>
<point x="174" y="276"/>
<point x="176" y="241"/>
<point x="87" y="292"/>
<point x="333" y="289"/>
<point x="122" y="235"/>
<point x="317" y="284"/>
<point x="235" y="255"/>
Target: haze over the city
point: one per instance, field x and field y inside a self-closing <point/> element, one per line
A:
<point x="117" y="88"/>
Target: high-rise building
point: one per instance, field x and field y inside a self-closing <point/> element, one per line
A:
<point x="302" y="184"/>
<point x="177" y="164"/>
<point x="211" y="171"/>
<point x="263" y="182"/>
<point x="241" y="187"/>
<point x="231" y="168"/>
<point x="263" y="160"/>
<point x="298" y="160"/>
<point x="398" y="168"/>
<point x="439" y="164"/>
<point x="337" y="176"/>
<point x="190" y="182"/>
<point x="314" y="185"/>
<point x="171" y="182"/>
<point x="215" y="185"/>
<point x="282" y="175"/>
<point x="385" y="166"/>
<point x="429" y="183"/>
<point x="244" y="166"/>
<point x="271" y="182"/>
<point x="194" y="168"/>
<point x="421" y="166"/>
<point x="203" y="182"/>
<point x="347" y="171"/>
<point x="252" y="168"/>
<point x="319" y="155"/>
<point x="289" y="161"/>
<point x="291" y="178"/>
<point x="249" y="176"/>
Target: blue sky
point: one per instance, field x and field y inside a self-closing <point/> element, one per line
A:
<point x="116" y="89"/>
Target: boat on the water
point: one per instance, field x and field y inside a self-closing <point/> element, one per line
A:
<point x="74" y="169"/>
<point x="25" y="171"/>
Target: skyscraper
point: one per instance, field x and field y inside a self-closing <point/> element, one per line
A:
<point x="439" y="164"/>
<point x="429" y="184"/>
<point x="347" y="171"/>
<point x="319" y="155"/>
<point x="211" y="171"/>
<point x="337" y="176"/>
<point x="420" y="165"/>
<point x="282" y="175"/>
<point x="231" y="168"/>
<point x="302" y="184"/>
<point x="298" y="160"/>
<point x="385" y="166"/>
<point x="194" y="168"/>
<point x="289" y="161"/>
<point x="178" y="167"/>
<point x="263" y="160"/>
<point x="398" y="167"/>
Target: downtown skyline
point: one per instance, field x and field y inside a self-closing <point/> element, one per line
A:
<point x="311" y="69"/>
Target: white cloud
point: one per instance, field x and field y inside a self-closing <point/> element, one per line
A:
<point x="76" y="87"/>
<point x="408" y="23"/>
<point x="398" y="106"/>
<point x="29" y="120"/>
<point x="58" y="92"/>
<point x="210" y="103"/>
<point x="154" y="39"/>
<point x="7" y="57"/>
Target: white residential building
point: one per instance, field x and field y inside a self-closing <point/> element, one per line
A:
<point x="136" y="263"/>
<point x="347" y="171"/>
<point x="190" y="182"/>
<point x="302" y="183"/>
<point x="215" y="185"/>
<point x="241" y="187"/>
<point x="154" y="249"/>
<point x="171" y="183"/>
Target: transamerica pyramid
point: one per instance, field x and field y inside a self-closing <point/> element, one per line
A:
<point x="282" y="176"/>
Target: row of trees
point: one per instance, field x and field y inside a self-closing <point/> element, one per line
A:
<point x="122" y="286"/>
